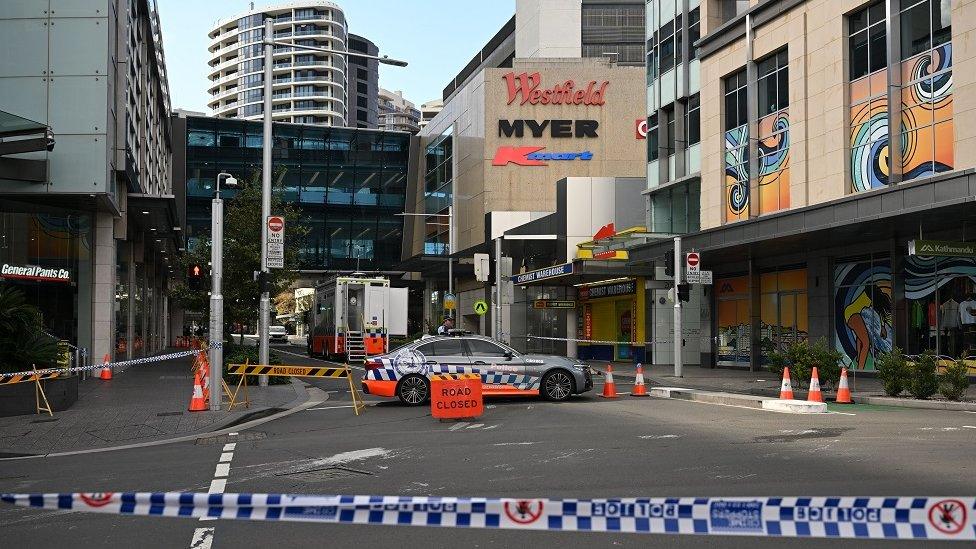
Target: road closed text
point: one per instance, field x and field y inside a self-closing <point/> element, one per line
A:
<point x="456" y="396"/>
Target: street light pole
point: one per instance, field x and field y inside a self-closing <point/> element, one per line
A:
<point x="216" y="295"/>
<point x="264" y="309"/>
<point x="264" y="312"/>
<point x="450" y="260"/>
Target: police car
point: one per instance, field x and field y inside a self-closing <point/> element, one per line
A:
<point x="404" y="373"/>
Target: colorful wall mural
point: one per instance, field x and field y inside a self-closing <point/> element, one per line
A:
<point x="774" y="162"/>
<point x="926" y="116"/>
<point x="870" y="163"/>
<point x="737" y="174"/>
<point x="863" y="323"/>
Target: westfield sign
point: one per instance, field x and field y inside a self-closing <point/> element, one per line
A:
<point x="527" y="88"/>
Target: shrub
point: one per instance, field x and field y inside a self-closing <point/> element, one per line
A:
<point x="893" y="371"/>
<point x="923" y="378"/>
<point x="801" y="357"/>
<point x="955" y="381"/>
<point x="239" y="354"/>
<point x="23" y="342"/>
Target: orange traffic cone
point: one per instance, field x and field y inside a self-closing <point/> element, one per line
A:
<point x="609" y="387"/>
<point x="843" y="391"/>
<point x="639" y="389"/>
<point x="198" y="403"/>
<point x="106" y="372"/>
<point x="815" y="395"/>
<point x="786" y="389"/>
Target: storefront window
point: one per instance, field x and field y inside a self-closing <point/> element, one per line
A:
<point x="863" y="324"/>
<point x="783" y="309"/>
<point x="612" y="312"/>
<point x="940" y="299"/>
<point x="121" y="300"/>
<point x="734" y="328"/>
<point x="46" y="253"/>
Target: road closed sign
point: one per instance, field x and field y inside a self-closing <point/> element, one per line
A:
<point x="456" y="396"/>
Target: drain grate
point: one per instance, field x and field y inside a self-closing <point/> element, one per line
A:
<point x="162" y="414"/>
<point x="324" y="474"/>
<point x="239" y="437"/>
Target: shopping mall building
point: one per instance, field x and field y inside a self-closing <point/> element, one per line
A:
<point x="540" y="135"/>
<point x="836" y="180"/>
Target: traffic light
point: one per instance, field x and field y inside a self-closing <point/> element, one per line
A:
<point x="684" y="292"/>
<point x="669" y="263"/>
<point x="194" y="276"/>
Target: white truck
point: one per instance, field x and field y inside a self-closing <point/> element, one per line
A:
<point x="352" y="317"/>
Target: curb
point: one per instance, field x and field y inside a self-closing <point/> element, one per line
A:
<point x="918" y="404"/>
<point x="314" y="397"/>
<point x="746" y="399"/>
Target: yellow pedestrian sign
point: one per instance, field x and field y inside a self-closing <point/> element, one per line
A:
<point x="480" y="307"/>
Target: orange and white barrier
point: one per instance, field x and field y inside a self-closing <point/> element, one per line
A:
<point x="786" y="388"/>
<point x="843" y="390"/>
<point x="640" y="390"/>
<point x="815" y="395"/>
<point x="609" y="387"/>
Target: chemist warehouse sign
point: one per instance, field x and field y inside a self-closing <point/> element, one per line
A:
<point x="530" y="89"/>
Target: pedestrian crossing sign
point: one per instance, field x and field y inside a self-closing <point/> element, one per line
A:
<point x="480" y="307"/>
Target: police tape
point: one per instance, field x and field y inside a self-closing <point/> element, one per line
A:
<point x="903" y="518"/>
<point x="4" y="378"/>
<point x="607" y="342"/>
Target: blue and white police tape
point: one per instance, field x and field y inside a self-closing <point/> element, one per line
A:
<point x="119" y="364"/>
<point x="944" y="518"/>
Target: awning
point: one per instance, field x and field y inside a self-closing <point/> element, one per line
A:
<point x="20" y="135"/>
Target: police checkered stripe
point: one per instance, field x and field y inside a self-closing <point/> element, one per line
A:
<point x="100" y="365"/>
<point x="520" y="381"/>
<point x="948" y="518"/>
<point x="382" y="374"/>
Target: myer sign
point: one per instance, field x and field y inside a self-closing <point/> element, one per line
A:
<point x="35" y="272"/>
<point x="941" y="248"/>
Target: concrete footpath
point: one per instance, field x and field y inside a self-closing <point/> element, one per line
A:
<point x="142" y="403"/>
<point x="751" y="386"/>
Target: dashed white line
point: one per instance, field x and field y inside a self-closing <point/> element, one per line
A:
<point x="217" y="486"/>
<point x="457" y="426"/>
<point x="226" y="457"/>
<point x="515" y="443"/>
<point x="230" y="446"/>
<point x="969" y="426"/>
<point x="223" y="470"/>
<point x="476" y="425"/>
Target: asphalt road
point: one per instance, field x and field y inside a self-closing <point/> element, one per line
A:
<point x="588" y="447"/>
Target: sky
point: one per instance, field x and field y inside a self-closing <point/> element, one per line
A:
<point x="436" y="37"/>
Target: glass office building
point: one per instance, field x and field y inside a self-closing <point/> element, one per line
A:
<point x="349" y="184"/>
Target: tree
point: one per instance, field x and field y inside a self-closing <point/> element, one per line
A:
<point x="242" y="255"/>
<point x="285" y="302"/>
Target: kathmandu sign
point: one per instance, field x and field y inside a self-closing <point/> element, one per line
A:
<point x="941" y="248"/>
<point x="531" y="156"/>
<point x="34" y="272"/>
<point x="527" y="88"/>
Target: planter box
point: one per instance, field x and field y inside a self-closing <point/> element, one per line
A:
<point x="18" y="398"/>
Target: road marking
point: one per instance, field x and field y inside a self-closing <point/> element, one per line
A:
<point x="490" y="427"/>
<point x="217" y="486"/>
<point x="339" y="407"/>
<point x="457" y="426"/>
<point x="223" y="470"/>
<point x="968" y="412"/>
<point x="655" y="437"/>
<point x="516" y="443"/>
<point x="476" y="425"/>
<point x="229" y="447"/>
<point x="202" y="538"/>
<point x="232" y="434"/>
<point x="226" y="457"/>
<point x="969" y="426"/>
<point x="842" y="413"/>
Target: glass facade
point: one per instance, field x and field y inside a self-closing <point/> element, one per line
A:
<point x="923" y="67"/>
<point x="613" y="28"/>
<point x="438" y="193"/>
<point x="349" y="184"/>
<point x="47" y="253"/>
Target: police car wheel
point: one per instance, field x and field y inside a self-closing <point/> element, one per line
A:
<point x="413" y="390"/>
<point x="557" y="385"/>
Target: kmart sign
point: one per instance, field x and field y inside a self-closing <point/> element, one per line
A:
<point x="942" y="248"/>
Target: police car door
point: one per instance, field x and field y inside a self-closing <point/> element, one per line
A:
<point x="445" y="355"/>
<point x="498" y="365"/>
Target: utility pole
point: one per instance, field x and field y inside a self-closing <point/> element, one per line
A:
<point x="264" y="311"/>
<point x="677" y="307"/>
<point x="450" y="261"/>
<point x="216" y="295"/>
<point x="498" y="289"/>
